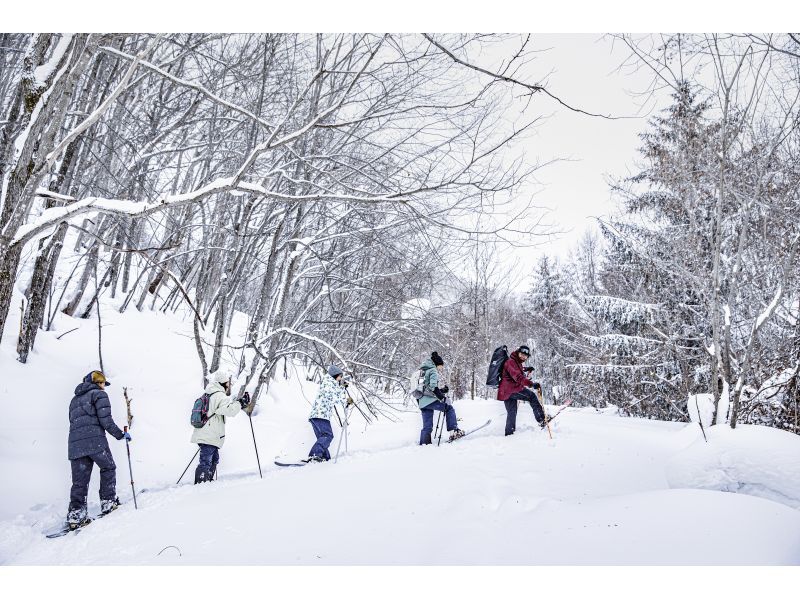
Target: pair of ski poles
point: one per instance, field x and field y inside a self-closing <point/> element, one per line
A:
<point x="255" y="445"/>
<point x="344" y="429"/>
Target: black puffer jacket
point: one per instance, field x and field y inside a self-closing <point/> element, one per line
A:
<point x="89" y="420"/>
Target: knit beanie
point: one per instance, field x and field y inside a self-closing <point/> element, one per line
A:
<point x="221" y="376"/>
<point x="436" y="359"/>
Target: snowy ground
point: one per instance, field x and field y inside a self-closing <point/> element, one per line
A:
<point x="605" y="490"/>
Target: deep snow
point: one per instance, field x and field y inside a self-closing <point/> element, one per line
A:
<point x="605" y="490"/>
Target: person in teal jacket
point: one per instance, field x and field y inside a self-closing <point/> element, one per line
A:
<point x="435" y="399"/>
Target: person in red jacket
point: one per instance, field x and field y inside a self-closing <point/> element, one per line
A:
<point x="516" y="386"/>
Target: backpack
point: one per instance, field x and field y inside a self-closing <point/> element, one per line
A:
<point x="200" y="411"/>
<point x="417" y="382"/>
<point x="499" y="358"/>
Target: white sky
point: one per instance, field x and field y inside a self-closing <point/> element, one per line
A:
<point x="585" y="74"/>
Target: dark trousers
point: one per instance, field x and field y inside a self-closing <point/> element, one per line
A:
<point x="324" y="434"/>
<point x="427" y="420"/>
<point x="82" y="473"/>
<point x="207" y="465"/>
<point x="528" y="396"/>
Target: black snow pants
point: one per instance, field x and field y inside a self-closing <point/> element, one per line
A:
<point x="82" y="473"/>
<point x="528" y="396"/>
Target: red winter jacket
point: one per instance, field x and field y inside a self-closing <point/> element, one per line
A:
<point x="513" y="378"/>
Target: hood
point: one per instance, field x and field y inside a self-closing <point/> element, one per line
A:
<point x="214" y="387"/>
<point x="519" y="358"/>
<point x="427" y="365"/>
<point x="85" y="387"/>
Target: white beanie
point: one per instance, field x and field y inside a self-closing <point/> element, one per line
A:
<point x="221" y="376"/>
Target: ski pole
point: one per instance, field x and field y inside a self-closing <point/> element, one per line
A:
<point x="342" y="435"/>
<point x="187" y="467"/>
<point x="344" y="429"/>
<point x="346" y="416"/>
<point x="130" y="468"/>
<point x="255" y="445"/>
<point x="439" y="442"/>
<point x="438" y="421"/>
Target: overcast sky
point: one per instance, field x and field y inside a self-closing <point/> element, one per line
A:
<point x="585" y="73"/>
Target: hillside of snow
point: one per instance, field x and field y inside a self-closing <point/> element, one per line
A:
<point x="605" y="490"/>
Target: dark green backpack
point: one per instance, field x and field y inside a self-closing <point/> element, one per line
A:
<point x="200" y="411"/>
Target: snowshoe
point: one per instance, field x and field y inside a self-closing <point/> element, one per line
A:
<point x="456" y="434"/>
<point x="77" y="518"/>
<point x="106" y="506"/>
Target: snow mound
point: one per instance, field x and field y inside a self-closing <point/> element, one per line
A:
<point x="701" y="408"/>
<point x="754" y="460"/>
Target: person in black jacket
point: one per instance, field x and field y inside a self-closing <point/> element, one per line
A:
<point x="89" y="420"/>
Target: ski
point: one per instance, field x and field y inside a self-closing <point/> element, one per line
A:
<point x="298" y="464"/>
<point x="481" y="427"/>
<point x="66" y="530"/>
<point x="566" y="404"/>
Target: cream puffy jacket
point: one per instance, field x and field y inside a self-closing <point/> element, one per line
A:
<point x="220" y="405"/>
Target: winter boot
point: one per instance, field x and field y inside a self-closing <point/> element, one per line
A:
<point x="315" y="459"/>
<point x="456" y="434"/>
<point x="200" y="476"/>
<point x="106" y="506"/>
<point x="77" y="518"/>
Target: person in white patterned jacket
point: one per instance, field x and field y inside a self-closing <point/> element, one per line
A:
<point x="331" y="391"/>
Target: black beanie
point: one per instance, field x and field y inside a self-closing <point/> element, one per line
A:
<point x="436" y="359"/>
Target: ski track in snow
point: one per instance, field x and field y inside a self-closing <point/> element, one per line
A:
<point x="519" y="500"/>
<point x="597" y="493"/>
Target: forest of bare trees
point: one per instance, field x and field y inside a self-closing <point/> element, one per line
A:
<point x="314" y="183"/>
<point x="352" y="196"/>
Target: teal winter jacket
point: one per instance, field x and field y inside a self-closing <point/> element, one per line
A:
<point x="430" y="381"/>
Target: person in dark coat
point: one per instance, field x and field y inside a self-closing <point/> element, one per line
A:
<point x="516" y="386"/>
<point x="89" y="420"/>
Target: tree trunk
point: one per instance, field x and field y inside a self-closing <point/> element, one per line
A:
<point x="72" y="306"/>
<point x="37" y="297"/>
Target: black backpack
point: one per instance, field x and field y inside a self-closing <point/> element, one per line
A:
<point x="499" y="358"/>
<point x="200" y="411"/>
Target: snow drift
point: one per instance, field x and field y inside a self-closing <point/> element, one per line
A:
<point x="753" y="460"/>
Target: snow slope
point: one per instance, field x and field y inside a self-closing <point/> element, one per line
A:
<point x="602" y="491"/>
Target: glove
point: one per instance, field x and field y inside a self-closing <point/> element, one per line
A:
<point x="439" y="394"/>
<point x="126" y="436"/>
<point x="445" y="389"/>
<point x="350" y="401"/>
<point x="245" y="400"/>
<point x="345" y="384"/>
<point x="537" y="386"/>
<point x="528" y="369"/>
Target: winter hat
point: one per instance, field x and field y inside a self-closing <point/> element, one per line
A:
<point x="221" y="376"/>
<point x="436" y="359"/>
<point x="334" y="371"/>
<point x="524" y="350"/>
<point x="96" y="377"/>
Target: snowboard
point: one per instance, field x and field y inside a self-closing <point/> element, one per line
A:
<point x="481" y="427"/>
